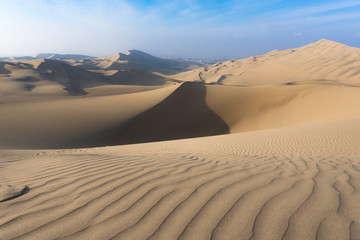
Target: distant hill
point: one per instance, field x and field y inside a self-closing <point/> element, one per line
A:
<point x="46" y="56"/>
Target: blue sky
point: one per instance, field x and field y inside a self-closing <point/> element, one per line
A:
<point x="173" y="28"/>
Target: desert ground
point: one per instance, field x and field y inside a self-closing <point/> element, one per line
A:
<point x="133" y="146"/>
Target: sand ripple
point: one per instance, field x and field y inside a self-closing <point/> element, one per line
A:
<point x="184" y="196"/>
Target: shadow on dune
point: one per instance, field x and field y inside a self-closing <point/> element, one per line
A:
<point x="3" y="70"/>
<point x="25" y="190"/>
<point x="136" y="77"/>
<point x="183" y="114"/>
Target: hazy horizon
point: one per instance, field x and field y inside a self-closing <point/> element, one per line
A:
<point x="185" y="29"/>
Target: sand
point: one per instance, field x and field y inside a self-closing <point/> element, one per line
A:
<point x="295" y="183"/>
<point x="290" y="169"/>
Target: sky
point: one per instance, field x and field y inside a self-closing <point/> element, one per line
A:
<point x="172" y="28"/>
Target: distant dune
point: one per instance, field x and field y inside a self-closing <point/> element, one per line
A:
<point x="57" y="78"/>
<point x="324" y="59"/>
<point x="44" y="76"/>
<point x="289" y="169"/>
<point x="135" y="59"/>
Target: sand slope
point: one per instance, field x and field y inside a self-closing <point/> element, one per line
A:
<point x="265" y="107"/>
<point x="291" y="183"/>
<point x="183" y="114"/>
<point x="324" y="59"/>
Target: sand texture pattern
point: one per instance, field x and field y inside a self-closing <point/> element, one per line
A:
<point x="290" y="183"/>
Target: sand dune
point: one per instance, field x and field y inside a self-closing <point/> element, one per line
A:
<point x="120" y="116"/>
<point x="196" y="110"/>
<point x="289" y="170"/>
<point x="295" y="183"/>
<point x="324" y="59"/>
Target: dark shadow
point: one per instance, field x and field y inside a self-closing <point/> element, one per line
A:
<point x="27" y="79"/>
<point x="73" y="79"/>
<point x="136" y="77"/>
<point x="183" y="114"/>
<point x="29" y="87"/>
<point x="24" y="191"/>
